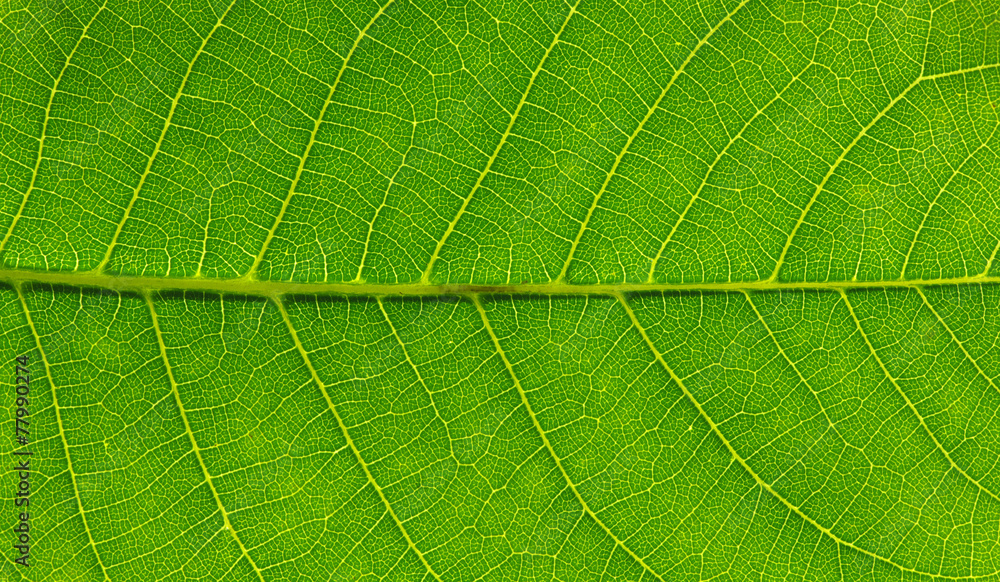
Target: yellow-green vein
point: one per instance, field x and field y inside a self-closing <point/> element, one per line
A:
<point x="909" y="403"/>
<point x="159" y="142"/>
<point x="190" y="433"/>
<point x="347" y="436"/>
<point x="45" y="129"/>
<point x="252" y="272"/>
<point x="62" y="430"/>
<point x="843" y="155"/>
<point x="426" y="276"/>
<point x="548" y="446"/>
<point x="930" y="207"/>
<point x="256" y="287"/>
<point x="956" y="340"/>
<point x="708" y="172"/>
<point x="764" y="484"/>
<point x="420" y="378"/>
<point x="638" y="130"/>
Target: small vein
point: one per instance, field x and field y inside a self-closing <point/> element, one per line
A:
<point x="426" y="276"/>
<point x="708" y="172"/>
<point x="843" y="155"/>
<point x="420" y="377"/>
<point x="378" y="210"/>
<point x="989" y="261"/>
<point x="765" y="485"/>
<point x="548" y="445"/>
<point x="252" y="272"/>
<point x="343" y="429"/>
<point x="909" y="403"/>
<point x="956" y="340"/>
<point x="190" y="433"/>
<point x="923" y="222"/>
<point x="62" y="430"/>
<point x="16" y="567"/>
<point x="785" y="356"/>
<point x="628" y="143"/>
<point x="159" y="142"/>
<point x="45" y="129"/>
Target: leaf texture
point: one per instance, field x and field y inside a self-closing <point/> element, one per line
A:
<point x="461" y="291"/>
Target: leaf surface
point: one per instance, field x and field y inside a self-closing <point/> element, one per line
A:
<point x="490" y="291"/>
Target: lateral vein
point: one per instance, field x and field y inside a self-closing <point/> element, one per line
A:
<point x="548" y="445"/>
<point x="312" y="141"/>
<point x="425" y="277"/>
<point x="45" y="129"/>
<point x="909" y="403"/>
<point x="764" y="484"/>
<point x="62" y="430"/>
<point x="628" y="144"/>
<point x="847" y="150"/>
<point x="347" y="436"/>
<point x="957" y="341"/>
<point x="159" y="142"/>
<point x="190" y="433"/>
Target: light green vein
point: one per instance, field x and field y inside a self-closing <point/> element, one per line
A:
<point x="548" y="445"/>
<point x="159" y="142"/>
<point x="843" y="155"/>
<point x="993" y="256"/>
<point x="252" y="273"/>
<point x="638" y="129"/>
<point x="923" y="222"/>
<point x="62" y="430"/>
<point x="16" y="568"/>
<point x="708" y="172"/>
<point x="764" y="484"/>
<point x="347" y="436"/>
<point x="909" y="403"/>
<point x="798" y="373"/>
<point x="426" y="276"/>
<point x="194" y="442"/>
<point x="956" y="340"/>
<point x="45" y="129"/>
<point x="420" y="377"/>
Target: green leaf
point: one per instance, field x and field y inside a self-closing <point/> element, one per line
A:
<point x="499" y="291"/>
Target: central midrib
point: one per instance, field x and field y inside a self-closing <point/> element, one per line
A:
<point x="250" y="286"/>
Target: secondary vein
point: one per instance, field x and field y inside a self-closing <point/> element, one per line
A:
<point x="159" y="142"/>
<point x="62" y="430"/>
<point x="347" y="436"/>
<point x="194" y="442"/>
<point x="312" y="141"/>
<point x="760" y="481"/>
<point x="425" y="278"/>
<point x="548" y="445"/>
<point x="847" y="150"/>
<point x="45" y="129"/>
<point x="909" y="403"/>
<point x="628" y="143"/>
